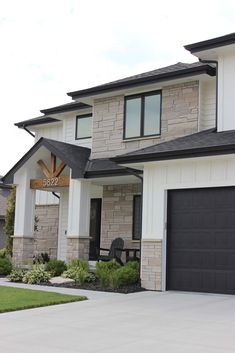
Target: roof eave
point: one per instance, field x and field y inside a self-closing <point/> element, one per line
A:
<point x="211" y="43"/>
<point x="192" y="153"/>
<point x="204" y="69"/>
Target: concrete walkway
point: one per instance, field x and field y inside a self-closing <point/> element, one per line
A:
<point x="148" y="322"/>
<point x="94" y="295"/>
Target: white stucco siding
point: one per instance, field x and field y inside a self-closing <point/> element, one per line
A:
<point x="159" y="177"/>
<point x="207" y="117"/>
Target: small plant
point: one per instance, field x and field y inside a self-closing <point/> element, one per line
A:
<point x="79" y="264"/>
<point x="16" y="275"/>
<point x="3" y="252"/>
<point x="37" y="274"/>
<point x="5" y="266"/>
<point x="55" y="267"/>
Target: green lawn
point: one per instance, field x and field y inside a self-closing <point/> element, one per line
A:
<point x="18" y="299"/>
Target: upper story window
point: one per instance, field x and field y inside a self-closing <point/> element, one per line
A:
<point x="83" y="126"/>
<point x="142" y="115"/>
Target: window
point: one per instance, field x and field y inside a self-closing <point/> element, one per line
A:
<point x="142" y="115"/>
<point x="137" y="217"/>
<point x="83" y="126"/>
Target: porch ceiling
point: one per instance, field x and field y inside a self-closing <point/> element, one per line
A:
<point x="116" y="180"/>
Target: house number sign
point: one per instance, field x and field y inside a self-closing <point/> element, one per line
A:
<point x="52" y="176"/>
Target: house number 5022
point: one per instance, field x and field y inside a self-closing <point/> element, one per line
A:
<point x="50" y="182"/>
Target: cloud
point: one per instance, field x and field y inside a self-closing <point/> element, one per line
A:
<point x="52" y="47"/>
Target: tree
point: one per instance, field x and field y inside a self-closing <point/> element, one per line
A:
<point x="10" y="220"/>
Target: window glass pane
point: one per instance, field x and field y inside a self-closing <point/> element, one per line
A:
<point x="137" y="217"/>
<point x="152" y="115"/>
<point x="83" y="127"/>
<point x="133" y="112"/>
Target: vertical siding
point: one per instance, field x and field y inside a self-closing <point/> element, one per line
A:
<point x="54" y="132"/>
<point x="207" y="105"/>
<point x="63" y="224"/>
<point x="69" y="131"/>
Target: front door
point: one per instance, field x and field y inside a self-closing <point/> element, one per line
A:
<point x="95" y="223"/>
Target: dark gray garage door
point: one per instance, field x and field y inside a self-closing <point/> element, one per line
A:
<point x="201" y="240"/>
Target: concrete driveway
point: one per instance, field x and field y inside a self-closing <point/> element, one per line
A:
<point x="147" y="322"/>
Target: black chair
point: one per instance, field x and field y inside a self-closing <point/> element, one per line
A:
<point x="115" y="251"/>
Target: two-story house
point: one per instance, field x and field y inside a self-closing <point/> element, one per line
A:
<point x="149" y="158"/>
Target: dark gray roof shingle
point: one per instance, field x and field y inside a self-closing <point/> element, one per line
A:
<point x="207" y="142"/>
<point x="168" y="72"/>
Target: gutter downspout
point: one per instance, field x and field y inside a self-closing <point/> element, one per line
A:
<point x="28" y="131"/>
<point x="217" y="86"/>
<point x="134" y="172"/>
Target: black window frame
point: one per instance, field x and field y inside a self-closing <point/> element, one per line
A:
<point x="142" y="96"/>
<point x="133" y="217"/>
<point x="78" y="117"/>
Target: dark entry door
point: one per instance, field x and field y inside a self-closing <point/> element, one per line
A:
<point x="95" y="223"/>
<point x="201" y="240"/>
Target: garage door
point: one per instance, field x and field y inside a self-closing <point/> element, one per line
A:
<point x="201" y="240"/>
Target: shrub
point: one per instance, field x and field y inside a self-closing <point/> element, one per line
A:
<point x="5" y="266"/>
<point x="16" y="275"/>
<point x="3" y="252"/>
<point x="55" y="267"/>
<point x="112" y="275"/>
<point x="76" y="263"/>
<point x="37" y="274"/>
<point x="41" y="258"/>
<point x="123" y="276"/>
<point x="79" y="275"/>
<point x="104" y="271"/>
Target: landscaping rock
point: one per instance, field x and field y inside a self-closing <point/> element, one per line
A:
<point x="61" y="280"/>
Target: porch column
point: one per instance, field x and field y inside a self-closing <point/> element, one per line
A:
<point x="23" y="239"/>
<point x="153" y="228"/>
<point x="78" y="219"/>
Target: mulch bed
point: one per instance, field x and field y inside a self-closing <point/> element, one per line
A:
<point x="132" y="288"/>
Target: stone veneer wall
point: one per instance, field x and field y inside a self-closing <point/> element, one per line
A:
<point x="179" y="117"/>
<point x="117" y="213"/>
<point x="77" y="248"/>
<point x="151" y="264"/>
<point x="46" y="238"/>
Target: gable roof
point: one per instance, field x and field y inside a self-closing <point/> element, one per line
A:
<point x="204" y="143"/>
<point x="171" y="72"/>
<point x="211" y="43"/>
<point x="75" y="157"/>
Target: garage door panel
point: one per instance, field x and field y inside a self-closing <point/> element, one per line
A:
<point x="201" y="240"/>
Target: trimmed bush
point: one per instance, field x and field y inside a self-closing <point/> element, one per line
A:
<point x="55" y="267"/>
<point x="16" y="275"/>
<point x="5" y="266"/>
<point x="37" y="274"/>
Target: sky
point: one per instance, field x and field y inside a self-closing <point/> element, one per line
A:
<point x="51" y="47"/>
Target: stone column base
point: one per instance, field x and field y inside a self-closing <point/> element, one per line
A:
<point x="78" y="247"/>
<point x="151" y="264"/>
<point x="23" y="248"/>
